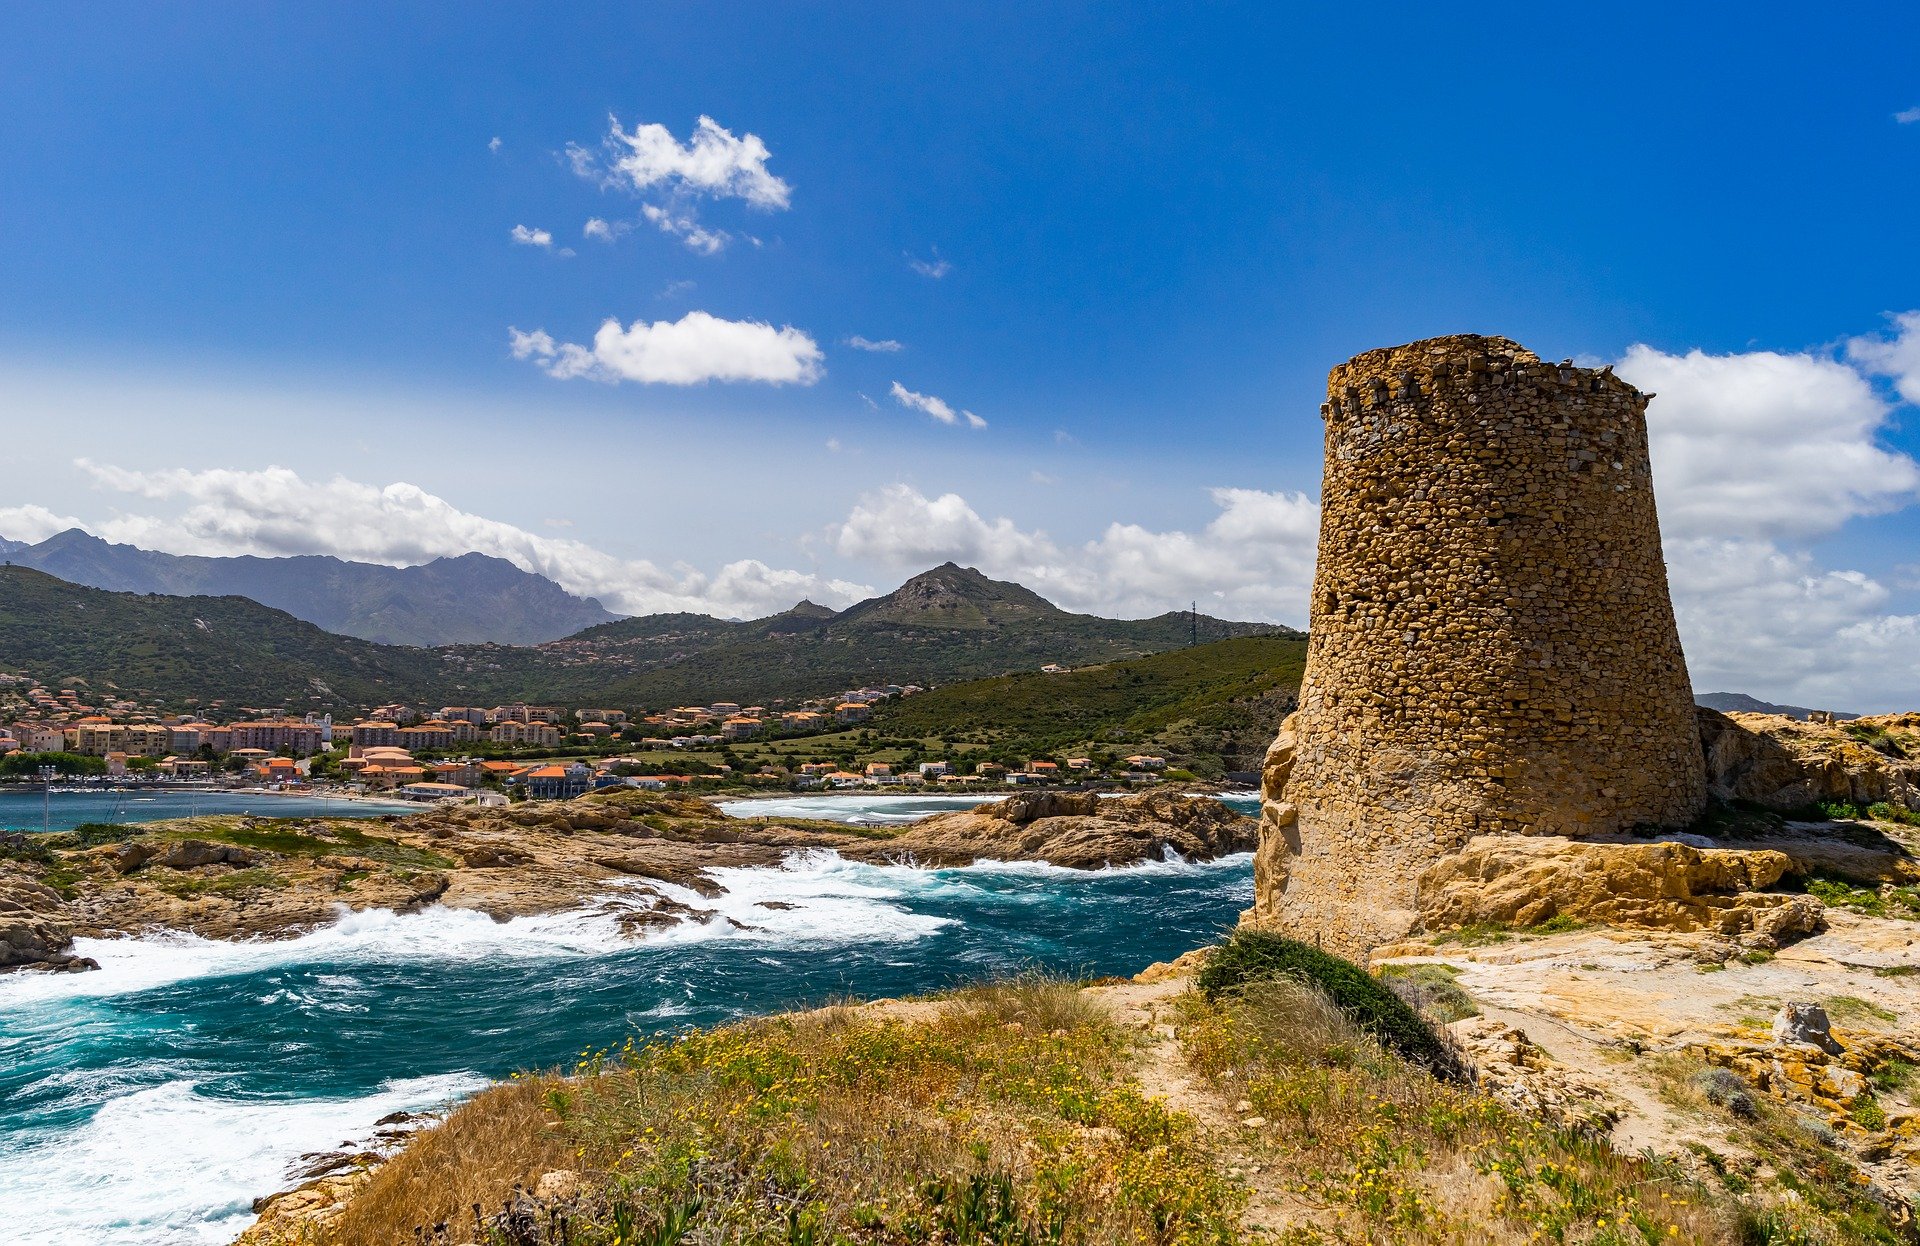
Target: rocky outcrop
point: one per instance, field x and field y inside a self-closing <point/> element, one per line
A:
<point x="1526" y="880"/>
<point x="1807" y="1062"/>
<point x="1079" y="830"/>
<point x="1786" y="764"/>
<point x="636" y="855"/>
<point x="32" y="934"/>
<point x="1521" y="1074"/>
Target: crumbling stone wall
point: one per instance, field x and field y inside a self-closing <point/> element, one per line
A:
<point x="1492" y="650"/>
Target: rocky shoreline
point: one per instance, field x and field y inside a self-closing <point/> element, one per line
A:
<point x="641" y="857"/>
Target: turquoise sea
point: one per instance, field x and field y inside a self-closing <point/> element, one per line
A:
<point x="152" y="1101"/>
<point x="62" y="811"/>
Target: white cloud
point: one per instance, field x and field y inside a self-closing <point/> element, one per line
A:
<point x="935" y="268"/>
<point x="1039" y="477"/>
<point x="1759" y="619"/>
<point x="33" y="524"/>
<point x="687" y="229"/>
<point x="1753" y="453"/>
<point x="713" y="162"/>
<point x="1908" y="116"/>
<point x="1253" y="559"/>
<point x="935" y="407"/>
<point x="603" y="231"/>
<point x="493" y="144"/>
<point x="1897" y="357"/>
<point x="1765" y="445"/>
<point x="886" y="346"/>
<point x="532" y="237"/>
<point x="275" y="513"/>
<point x="694" y="349"/>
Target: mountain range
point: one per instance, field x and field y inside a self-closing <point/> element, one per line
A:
<point x="469" y="599"/>
<point x="947" y="624"/>
<point x="1741" y="702"/>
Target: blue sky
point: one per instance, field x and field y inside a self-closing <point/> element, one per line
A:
<point x="240" y="239"/>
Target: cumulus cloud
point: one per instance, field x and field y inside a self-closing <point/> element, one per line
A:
<point x="1908" y="116"/>
<point x="493" y="144"/>
<point x="713" y="162"/>
<point x="1757" y="618"/>
<point x="1253" y="559"/>
<point x="694" y="349"/>
<point x="689" y="231"/>
<point x="1754" y="454"/>
<point x="935" y="407"/>
<point x="33" y="524"/>
<point x="1896" y="357"/>
<point x="532" y="237"/>
<point x="935" y="268"/>
<point x="276" y="512"/>
<point x="603" y="231"/>
<point x="1765" y="445"/>
<point x="886" y="346"/>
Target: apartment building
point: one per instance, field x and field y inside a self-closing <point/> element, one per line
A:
<point x="514" y="732"/>
<point x="97" y="737"/>
<point x="274" y="735"/>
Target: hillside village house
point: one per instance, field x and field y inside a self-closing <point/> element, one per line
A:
<point x="852" y="712"/>
<point x="739" y="728"/>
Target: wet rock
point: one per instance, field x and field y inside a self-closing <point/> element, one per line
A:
<point x="428" y="888"/>
<point x="1122" y="830"/>
<point x="33" y="931"/>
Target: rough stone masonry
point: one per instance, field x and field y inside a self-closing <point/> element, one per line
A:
<point x="1493" y="649"/>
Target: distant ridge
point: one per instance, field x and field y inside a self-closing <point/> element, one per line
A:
<point x="943" y="626"/>
<point x="948" y="623"/>
<point x="1741" y="702"/>
<point x="471" y="598"/>
<point x="195" y="650"/>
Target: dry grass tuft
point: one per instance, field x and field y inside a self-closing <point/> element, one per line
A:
<point x="501" y="1137"/>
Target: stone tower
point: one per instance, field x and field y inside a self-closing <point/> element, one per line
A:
<point x="1492" y="650"/>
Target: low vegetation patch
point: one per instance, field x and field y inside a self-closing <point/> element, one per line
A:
<point x="235" y="882"/>
<point x="1006" y="1116"/>
<point x="294" y="839"/>
<point x="1375" y="1149"/>
<point x="1430" y="987"/>
<point x="1393" y="1154"/>
<point x="1792" y="1185"/>
<point x="1886" y="900"/>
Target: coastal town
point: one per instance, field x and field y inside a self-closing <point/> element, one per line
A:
<point x="503" y="753"/>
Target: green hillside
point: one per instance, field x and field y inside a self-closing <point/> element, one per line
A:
<point x="946" y="626"/>
<point x="1210" y="707"/>
<point x="182" y="651"/>
<point x="942" y="626"/>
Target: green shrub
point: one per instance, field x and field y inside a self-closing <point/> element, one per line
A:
<point x="1838" y="811"/>
<point x="1884" y="812"/>
<point x="1249" y="956"/>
